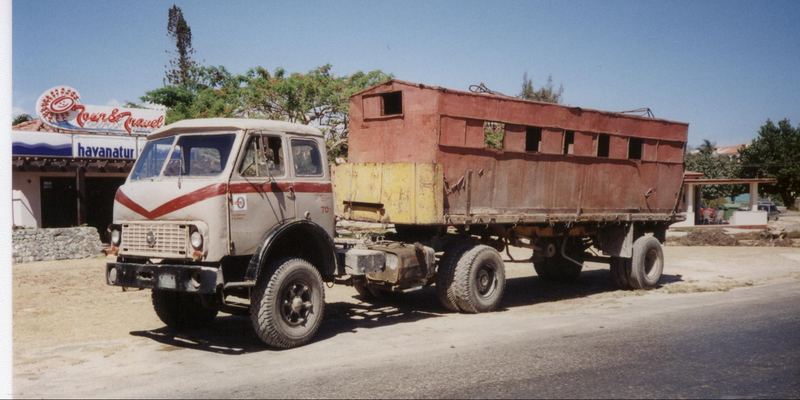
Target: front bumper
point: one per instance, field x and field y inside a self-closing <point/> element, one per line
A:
<point x="179" y="278"/>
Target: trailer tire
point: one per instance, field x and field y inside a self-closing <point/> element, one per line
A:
<point x="445" y="274"/>
<point x="479" y="280"/>
<point x="287" y="305"/>
<point x="181" y="310"/>
<point x="647" y="263"/>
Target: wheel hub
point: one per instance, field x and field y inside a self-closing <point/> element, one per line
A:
<point x="486" y="280"/>
<point x="296" y="305"/>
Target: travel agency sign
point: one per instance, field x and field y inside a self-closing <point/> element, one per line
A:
<point x="60" y="107"/>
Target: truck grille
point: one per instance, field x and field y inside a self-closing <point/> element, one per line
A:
<point x="166" y="240"/>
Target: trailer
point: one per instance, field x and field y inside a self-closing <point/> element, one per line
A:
<point x="504" y="171"/>
<point x="238" y="215"/>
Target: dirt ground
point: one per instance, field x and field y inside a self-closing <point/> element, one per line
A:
<point x="65" y="316"/>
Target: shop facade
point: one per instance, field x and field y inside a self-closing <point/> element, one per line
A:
<point x="68" y="163"/>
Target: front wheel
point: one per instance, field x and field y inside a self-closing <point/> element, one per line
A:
<point x="286" y="307"/>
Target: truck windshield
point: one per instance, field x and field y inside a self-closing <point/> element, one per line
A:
<point x="193" y="155"/>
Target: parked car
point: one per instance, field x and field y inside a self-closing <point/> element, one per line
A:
<point x="770" y="208"/>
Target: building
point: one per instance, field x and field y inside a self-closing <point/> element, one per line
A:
<point x="68" y="163"/>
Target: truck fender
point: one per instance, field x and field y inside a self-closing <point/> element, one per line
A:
<point x="301" y="238"/>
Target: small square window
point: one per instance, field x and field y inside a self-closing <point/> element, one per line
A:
<point x="634" y="148"/>
<point x="392" y="103"/>
<point x="533" y="137"/>
<point x="602" y="145"/>
<point x="569" y="141"/>
<point x="493" y="134"/>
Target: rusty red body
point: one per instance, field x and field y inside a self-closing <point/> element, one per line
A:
<point x="406" y="122"/>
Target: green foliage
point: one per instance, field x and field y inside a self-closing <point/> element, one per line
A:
<point x="318" y="98"/>
<point x="547" y="93"/>
<point x="775" y="153"/>
<point x="21" y="118"/>
<point x="493" y="134"/>
<point x="714" y="166"/>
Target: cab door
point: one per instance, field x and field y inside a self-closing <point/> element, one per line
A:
<point x="260" y="191"/>
<point x="312" y="183"/>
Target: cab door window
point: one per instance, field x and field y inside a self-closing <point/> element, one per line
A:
<point x="307" y="158"/>
<point x="263" y="157"/>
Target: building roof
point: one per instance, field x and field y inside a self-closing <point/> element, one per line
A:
<point x="36" y="125"/>
<point x="235" y="124"/>
<point x="730" y="150"/>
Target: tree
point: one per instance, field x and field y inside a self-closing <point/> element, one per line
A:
<point x="546" y="93"/>
<point x="318" y="98"/>
<point x="714" y="166"/>
<point x="775" y="153"/>
<point x="181" y="66"/>
<point x="20" y="118"/>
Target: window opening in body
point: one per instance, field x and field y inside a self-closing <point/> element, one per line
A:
<point x="493" y="134"/>
<point x="392" y="103"/>
<point x="602" y="145"/>
<point x="634" y="148"/>
<point x="533" y="138"/>
<point x="569" y="142"/>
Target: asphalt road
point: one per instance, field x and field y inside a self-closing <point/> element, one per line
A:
<point x="744" y="343"/>
<point x="725" y="323"/>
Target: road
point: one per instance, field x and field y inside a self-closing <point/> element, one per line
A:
<point x="724" y="324"/>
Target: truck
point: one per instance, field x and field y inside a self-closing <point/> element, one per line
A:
<point x="239" y="215"/>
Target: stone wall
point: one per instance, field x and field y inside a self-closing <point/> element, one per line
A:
<point x="55" y="243"/>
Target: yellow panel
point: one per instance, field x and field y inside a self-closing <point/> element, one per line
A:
<point x="404" y="193"/>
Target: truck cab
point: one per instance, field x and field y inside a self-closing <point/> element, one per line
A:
<point x="213" y="209"/>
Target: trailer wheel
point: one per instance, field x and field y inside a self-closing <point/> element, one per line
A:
<point x="286" y="308"/>
<point x="479" y="280"/>
<point x="647" y="263"/>
<point x="445" y="274"/>
<point x="181" y="310"/>
<point x="641" y="271"/>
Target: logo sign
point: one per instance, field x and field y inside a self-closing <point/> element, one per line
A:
<point x="151" y="239"/>
<point x="60" y="107"/>
<point x="239" y="202"/>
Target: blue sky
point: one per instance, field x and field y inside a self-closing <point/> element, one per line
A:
<point x="724" y="67"/>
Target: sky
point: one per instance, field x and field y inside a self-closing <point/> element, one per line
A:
<point x="724" y="67"/>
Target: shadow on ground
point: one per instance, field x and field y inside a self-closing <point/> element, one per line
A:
<point x="233" y="335"/>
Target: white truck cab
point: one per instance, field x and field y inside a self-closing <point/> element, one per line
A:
<point x="229" y="207"/>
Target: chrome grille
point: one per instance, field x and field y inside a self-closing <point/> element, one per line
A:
<point x="171" y="240"/>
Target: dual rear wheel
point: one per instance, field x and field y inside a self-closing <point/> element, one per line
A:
<point x="641" y="271"/>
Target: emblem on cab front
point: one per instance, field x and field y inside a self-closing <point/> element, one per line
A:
<point x="151" y="238"/>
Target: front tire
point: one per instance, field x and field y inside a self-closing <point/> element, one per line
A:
<point x="181" y="310"/>
<point x="287" y="306"/>
<point x="643" y="270"/>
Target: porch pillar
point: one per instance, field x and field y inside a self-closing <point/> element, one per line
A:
<point x="753" y="196"/>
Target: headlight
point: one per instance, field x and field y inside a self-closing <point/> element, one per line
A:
<point x="116" y="236"/>
<point x="197" y="240"/>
